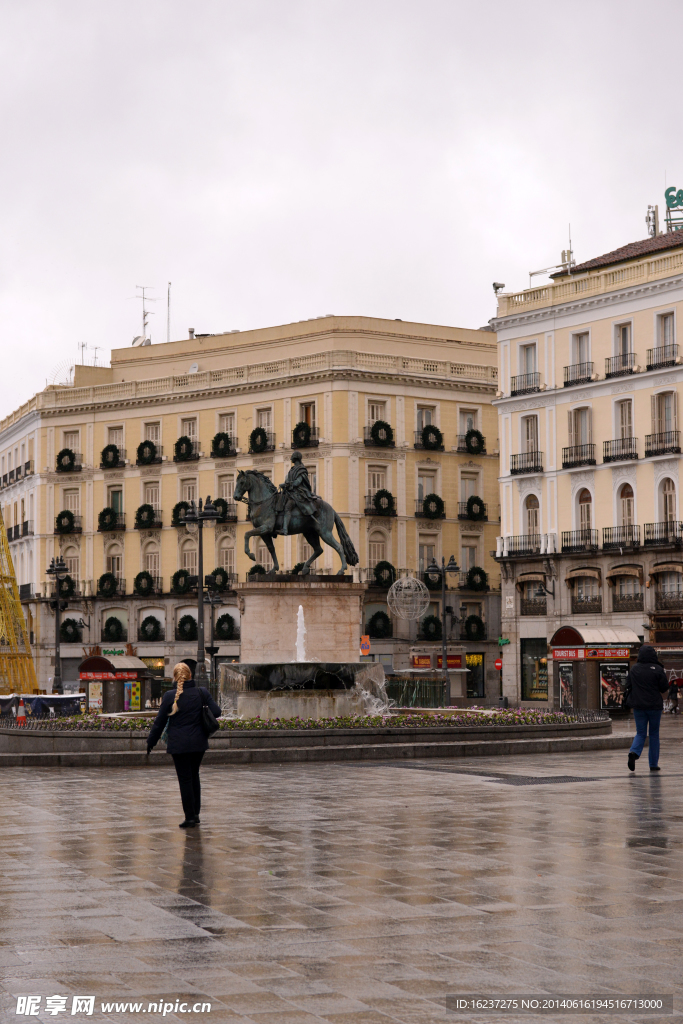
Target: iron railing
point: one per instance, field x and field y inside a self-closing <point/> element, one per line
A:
<point x="76" y="468"/>
<point x="157" y="458"/>
<point x="619" y="449"/>
<point x="418" y="443"/>
<point x="462" y="446"/>
<point x="615" y="537"/>
<point x="193" y="455"/>
<point x="577" y="373"/>
<point x="146" y="640"/>
<point x="525" y="383"/>
<point x="586" y="605"/>
<point x="119" y="464"/>
<point x="119" y="524"/>
<point x="230" y="452"/>
<point x="25" y="591"/>
<point x="620" y="365"/>
<point x="663" y="533"/>
<point x="665" y="355"/>
<point x="313" y="441"/>
<point x="385" y="506"/>
<point x="526" y="462"/>
<point x="533" y="606"/>
<point x="575" y="541"/>
<point x="230" y="514"/>
<point x="123" y="638"/>
<point x="578" y="455"/>
<point x="668" y="442"/>
<point x="76" y="528"/>
<point x="269" y="446"/>
<point x="119" y="592"/>
<point x="156" y="523"/>
<point x="20" y="530"/>
<point x="432" y="510"/>
<point x="370" y="441"/>
<point x="524" y="544"/>
<point x="627" y="604"/>
<point x="157" y="587"/>
<point x="463" y="514"/>
<point x="671" y="602"/>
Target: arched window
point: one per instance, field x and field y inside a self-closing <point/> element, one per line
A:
<point x="73" y="563"/>
<point x="377" y="549"/>
<point x="585" y="510"/>
<point x="585" y="589"/>
<point x="226" y="556"/>
<point x="626" y="505"/>
<point x="188" y="558"/>
<point x="150" y="561"/>
<point x="668" y="504"/>
<point x="670" y="584"/>
<point x="532" y="513"/>
<point x="115" y="560"/>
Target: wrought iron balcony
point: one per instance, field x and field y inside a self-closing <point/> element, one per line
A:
<point x="376" y="442"/>
<point x="669" y="601"/>
<point x="663" y="534"/>
<point x="118" y="523"/>
<point x="576" y="541"/>
<point x="156" y="588"/>
<point x="429" y="508"/>
<point x="586" y="605"/>
<point x="525" y="383"/>
<point x="268" y="447"/>
<point x="463" y="513"/>
<point x="153" y="524"/>
<point x="616" y="537"/>
<point x="533" y="606"/>
<point x="666" y="443"/>
<point x="383" y="506"/>
<point x="230" y="513"/>
<point x="119" y="464"/>
<point x="578" y="455"/>
<point x="104" y="639"/>
<point x="119" y="592"/>
<point x="419" y="444"/>
<point x="632" y="603"/>
<point x="665" y="355"/>
<point x="525" y="544"/>
<point x="192" y="455"/>
<point x="313" y="440"/>
<point x="526" y="462"/>
<point x="577" y="373"/>
<point x="76" y="468"/>
<point x="462" y="445"/>
<point x="620" y="365"/>
<point x="28" y="468"/>
<point x="230" y="450"/>
<point x="24" y="529"/>
<point x="146" y="640"/>
<point x="158" y="458"/>
<point x="619" y="449"/>
<point x="76" y="528"/>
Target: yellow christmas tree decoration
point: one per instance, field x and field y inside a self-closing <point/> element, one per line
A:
<point x="17" y="671"/>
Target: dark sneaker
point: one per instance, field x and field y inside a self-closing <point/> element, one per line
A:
<point x="655" y="768"/>
<point x="632" y="758"/>
<point x="188" y="823"/>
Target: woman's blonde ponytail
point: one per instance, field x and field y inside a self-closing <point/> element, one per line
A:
<point x="181" y="673"/>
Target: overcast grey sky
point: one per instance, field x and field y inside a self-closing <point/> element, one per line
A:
<point x="282" y="159"/>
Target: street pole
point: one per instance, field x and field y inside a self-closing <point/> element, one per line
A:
<point x="444" y="656"/>
<point x="198" y="514"/>
<point x="57" y="570"/>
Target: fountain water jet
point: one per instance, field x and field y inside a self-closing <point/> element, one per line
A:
<point x="300" y="635"/>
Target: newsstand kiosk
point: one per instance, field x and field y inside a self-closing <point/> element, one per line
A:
<point x="116" y="683"/>
<point x="590" y="667"/>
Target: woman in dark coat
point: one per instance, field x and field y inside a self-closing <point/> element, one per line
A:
<point x="187" y="740"/>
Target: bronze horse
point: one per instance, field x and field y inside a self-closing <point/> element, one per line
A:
<point x="266" y="521"/>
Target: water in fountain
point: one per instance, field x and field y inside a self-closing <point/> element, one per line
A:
<point x="300" y="635"/>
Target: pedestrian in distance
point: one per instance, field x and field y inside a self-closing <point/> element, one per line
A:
<point x="181" y="713"/>
<point x="645" y="684"/>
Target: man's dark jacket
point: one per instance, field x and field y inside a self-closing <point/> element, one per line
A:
<point x="646" y="681"/>
<point x="185" y="732"/>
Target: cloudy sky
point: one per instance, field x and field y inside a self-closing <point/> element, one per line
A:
<point x="282" y="159"/>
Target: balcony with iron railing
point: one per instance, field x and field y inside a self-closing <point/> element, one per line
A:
<point x="663" y="534"/>
<point x="578" y="373"/>
<point x="156" y="587"/>
<point x="70" y="526"/>
<point x="533" y="606"/>
<point x="578" y="455"/>
<point x="269" y="446"/>
<point x="145" y="521"/>
<point x="67" y="466"/>
<point x="20" y="530"/>
<point x="526" y="462"/>
<point x="381" y="438"/>
<point x="190" y="455"/>
<point x="577" y="541"/>
<point x="144" y="638"/>
<point x="463" y="512"/>
<point x="312" y="442"/>
<point x="121" y="637"/>
<point x="668" y="442"/>
<point x="419" y="444"/>
<point x="382" y="503"/>
<point x="462" y="445"/>
<point x="230" y="513"/>
<point x="586" y="605"/>
<point x="430" y="507"/>
<point x="524" y="544"/>
<point x="620" y="449"/>
<point x="525" y="383"/>
<point x="658" y="358"/>
<point x="620" y="365"/>
<point x="668" y="600"/>
<point x="25" y="591"/>
<point x="115" y="463"/>
<point x="155" y="460"/>
<point x="120" y="590"/>
<point x="116" y="522"/>
<point x="615" y="538"/>
<point x="630" y="603"/>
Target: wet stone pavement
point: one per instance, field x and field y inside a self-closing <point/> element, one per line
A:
<point x="344" y="893"/>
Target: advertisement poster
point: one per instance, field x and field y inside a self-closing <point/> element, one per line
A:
<point x="566" y="685"/>
<point x="135" y="696"/>
<point x="421" y="661"/>
<point x="612" y="685"/>
<point x="452" y="661"/>
<point x="95" y="697"/>
<point x="126" y="696"/>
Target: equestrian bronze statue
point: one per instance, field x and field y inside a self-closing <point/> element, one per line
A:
<point x="292" y="509"/>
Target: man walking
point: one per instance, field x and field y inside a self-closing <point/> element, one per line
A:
<point x="645" y="685"/>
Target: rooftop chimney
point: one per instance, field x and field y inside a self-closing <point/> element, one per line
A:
<point x="190" y="331"/>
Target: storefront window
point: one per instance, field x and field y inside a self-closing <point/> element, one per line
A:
<point x="475" y="676"/>
<point x="534" y="669"/>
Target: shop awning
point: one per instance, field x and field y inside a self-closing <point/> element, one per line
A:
<point x="529" y="577"/>
<point x="576" y="574"/>
<point x="624" y="570"/>
<point x="114" y="666"/>
<point x="589" y="636"/>
<point x="666" y="567"/>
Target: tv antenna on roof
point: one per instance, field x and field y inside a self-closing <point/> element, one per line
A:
<point x="145" y="312"/>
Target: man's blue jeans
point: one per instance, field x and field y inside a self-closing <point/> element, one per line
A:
<point x="642" y="718"/>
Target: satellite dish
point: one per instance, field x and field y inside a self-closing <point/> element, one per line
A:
<point x="194" y="368"/>
<point x="62" y="374"/>
<point x="139" y="341"/>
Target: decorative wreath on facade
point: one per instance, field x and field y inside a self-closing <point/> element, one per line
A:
<point x="187" y="628"/>
<point x="258" y="440"/>
<point x="183" y="449"/>
<point x="107" y="585"/>
<point x="147" y="453"/>
<point x="224" y="628"/>
<point x="66" y="460"/>
<point x="383" y="502"/>
<point x="111" y="456"/>
<point x="379" y="626"/>
<point x="70" y="631"/>
<point x="221" y="506"/>
<point x="113" y="630"/>
<point x="221" y="579"/>
<point x="384" y="574"/>
<point x="66" y="521"/>
<point x="476" y="509"/>
<point x="432" y="437"/>
<point x="222" y="446"/>
<point x="180" y="581"/>
<point x="477" y="579"/>
<point x="145" y="517"/>
<point x="431" y="627"/>
<point x="256" y="570"/>
<point x="67" y="586"/>
<point x="301" y="435"/>
<point x="474" y="628"/>
<point x="432" y="580"/>
<point x="143" y="584"/>
<point x="382" y="433"/>
<point x="176" y="518"/>
<point x="150" y="629"/>
<point x="433" y="507"/>
<point x="107" y="519"/>
<point x="474" y="442"/>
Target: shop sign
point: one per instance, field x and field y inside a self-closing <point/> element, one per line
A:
<point x="589" y="653"/>
<point x="452" y="661"/>
<point x="420" y="661"/>
<point x="95" y="697"/>
<point x="109" y="651"/>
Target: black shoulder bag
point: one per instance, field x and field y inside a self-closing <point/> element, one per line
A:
<point x="209" y="721"/>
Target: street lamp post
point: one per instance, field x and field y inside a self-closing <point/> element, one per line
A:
<point x="215" y="600"/>
<point x="58" y="571"/>
<point x="441" y="570"/>
<point x="200" y="515"/>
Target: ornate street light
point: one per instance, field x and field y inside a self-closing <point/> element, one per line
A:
<point x="215" y="601"/>
<point x="440" y="570"/>
<point x="58" y="571"/>
<point x="198" y="515"/>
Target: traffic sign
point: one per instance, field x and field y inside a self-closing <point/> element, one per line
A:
<point x="365" y="645"/>
<point x="498" y="663"/>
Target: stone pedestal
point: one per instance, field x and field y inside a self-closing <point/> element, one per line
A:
<point x="332" y="616"/>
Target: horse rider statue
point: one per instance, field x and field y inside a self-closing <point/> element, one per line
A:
<point x="296" y="492"/>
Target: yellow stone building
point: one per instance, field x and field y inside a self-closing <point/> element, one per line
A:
<point x="591" y="532"/>
<point x="337" y="375"/>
